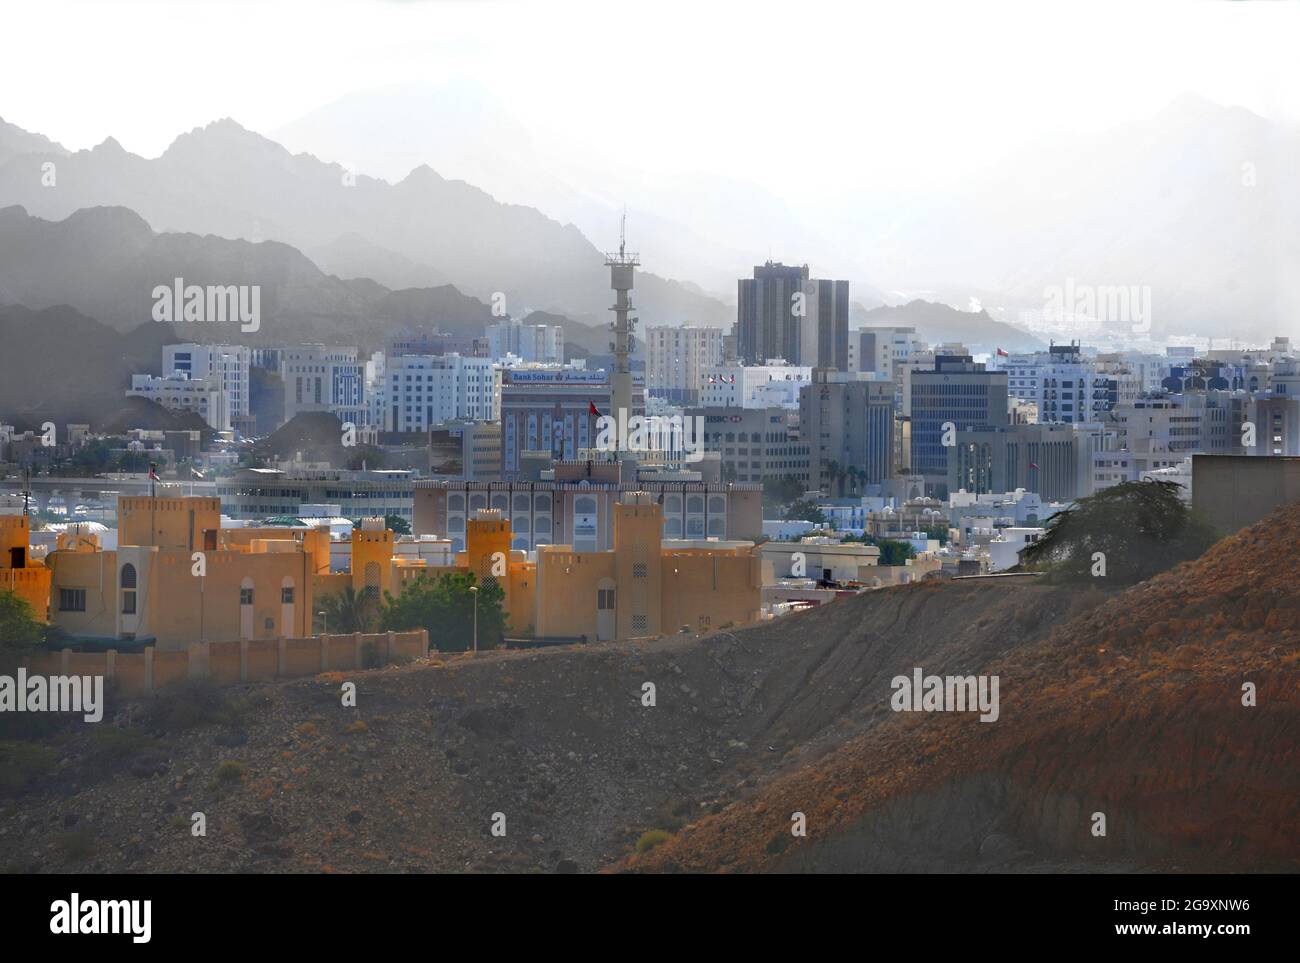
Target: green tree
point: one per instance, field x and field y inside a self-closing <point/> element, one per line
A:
<point x="444" y="605"/>
<point x="398" y="524"/>
<point x="1135" y="530"/>
<point x="20" y="631"/>
<point x="805" y="510"/>
<point x="348" y="611"/>
<point x="778" y="492"/>
<point x="855" y="477"/>
<point x="834" y="473"/>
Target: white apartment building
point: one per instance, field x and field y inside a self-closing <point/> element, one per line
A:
<point x="1067" y="387"/>
<point x="318" y="377"/>
<point x="773" y="385"/>
<point x="677" y="358"/>
<point x="225" y="365"/>
<point x="179" y="392"/>
<point x="421" y="391"/>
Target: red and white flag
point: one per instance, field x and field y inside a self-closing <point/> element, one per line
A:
<point x="1002" y="354"/>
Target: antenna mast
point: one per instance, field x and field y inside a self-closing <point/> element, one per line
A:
<point x="622" y="266"/>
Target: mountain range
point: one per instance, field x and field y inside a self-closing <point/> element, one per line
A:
<point x="1193" y="202"/>
<point x="106" y="263"/>
<point x="229" y="182"/>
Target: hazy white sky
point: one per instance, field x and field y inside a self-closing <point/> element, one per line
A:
<point x="748" y="88"/>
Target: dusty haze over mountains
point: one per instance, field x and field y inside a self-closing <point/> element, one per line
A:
<point x="1142" y="147"/>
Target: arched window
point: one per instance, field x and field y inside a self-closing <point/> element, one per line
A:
<point x="127" y="581"/>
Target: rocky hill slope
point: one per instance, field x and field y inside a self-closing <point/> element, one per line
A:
<point x="1135" y="709"/>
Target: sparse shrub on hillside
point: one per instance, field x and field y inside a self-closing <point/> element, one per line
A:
<point x="652" y="838"/>
<point x="230" y="771"/>
<point x="77" y="846"/>
<point x="21" y="763"/>
<point x="1131" y="532"/>
<point x="112" y="747"/>
<point x="194" y="703"/>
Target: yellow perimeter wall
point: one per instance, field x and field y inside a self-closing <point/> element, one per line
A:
<point x="232" y="663"/>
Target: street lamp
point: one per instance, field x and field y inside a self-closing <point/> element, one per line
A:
<point x="474" y="589"/>
<point x="324" y="622"/>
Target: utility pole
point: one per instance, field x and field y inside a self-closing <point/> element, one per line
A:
<point x="474" y="590"/>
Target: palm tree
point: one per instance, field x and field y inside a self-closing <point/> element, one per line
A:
<point x="833" y="470"/>
<point x="349" y="611"/>
<point x="853" y="474"/>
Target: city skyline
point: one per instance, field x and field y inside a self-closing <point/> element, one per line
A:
<point x="550" y="437"/>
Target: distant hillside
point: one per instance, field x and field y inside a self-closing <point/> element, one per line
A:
<point x="316" y="436"/>
<point x="143" y="413"/>
<point x="61" y="366"/>
<point x="1194" y="203"/>
<point x="937" y="323"/>
<point x="15" y="141"/>
<point x="106" y="262"/>
<point x="226" y="181"/>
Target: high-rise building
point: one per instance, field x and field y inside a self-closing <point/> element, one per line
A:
<point x="543" y="343"/>
<point x="1067" y="387"/>
<point x="1277" y="425"/>
<point x="438" y="342"/>
<point x="421" y="391"/>
<point x="319" y="377"/>
<point x="676" y="359"/>
<point x="755" y="444"/>
<point x="1053" y="461"/>
<point x="847" y="422"/>
<point x="957" y="393"/>
<point x="555" y="410"/>
<point x="783" y="313"/>
<point x="772" y="385"/>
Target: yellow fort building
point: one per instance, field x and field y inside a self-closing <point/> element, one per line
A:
<point x="177" y="577"/>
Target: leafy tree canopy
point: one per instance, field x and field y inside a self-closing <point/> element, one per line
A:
<point x="445" y="606"/>
<point x="805" y="510"/>
<point x="348" y="611"/>
<point x="20" y="630"/>
<point x="1135" y="530"/>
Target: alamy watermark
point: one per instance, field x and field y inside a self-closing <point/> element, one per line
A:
<point x="58" y="693"/>
<point x="649" y="433"/>
<point x="955" y="693"/>
<point x="216" y="303"/>
<point x="1114" y="304"/>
